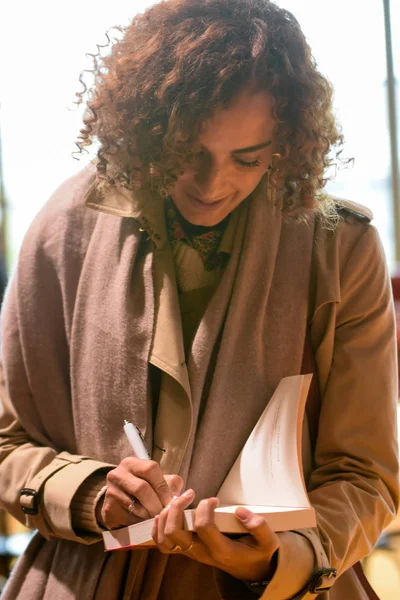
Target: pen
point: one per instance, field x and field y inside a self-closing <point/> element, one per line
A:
<point x="136" y="440"/>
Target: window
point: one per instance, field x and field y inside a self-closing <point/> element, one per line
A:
<point x="347" y="38"/>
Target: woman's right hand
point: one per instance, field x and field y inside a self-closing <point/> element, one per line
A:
<point x="140" y="480"/>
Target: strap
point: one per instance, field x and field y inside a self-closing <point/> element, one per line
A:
<point x="30" y="495"/>
<point x="364" y="582"/>
<point x="360" y="212"/>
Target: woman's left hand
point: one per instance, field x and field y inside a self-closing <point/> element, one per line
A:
<point x="247" y="558"/>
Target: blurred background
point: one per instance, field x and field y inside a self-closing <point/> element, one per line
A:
<point x="43" y="48"/>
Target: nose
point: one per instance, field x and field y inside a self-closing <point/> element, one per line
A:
<point x="210" y="181"/>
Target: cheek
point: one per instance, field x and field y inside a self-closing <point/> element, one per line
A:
<point x="248" y="181"/>
<point x="186" y="176"/>
<point x="183" y="179"/>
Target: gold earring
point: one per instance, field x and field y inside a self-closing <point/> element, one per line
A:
<point x="151" y="171"/>
<point x="272" y="169"/>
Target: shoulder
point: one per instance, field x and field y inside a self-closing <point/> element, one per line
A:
<point x="350" y="234"/>
<point x="64" y="220"/>
<point x="352" y="211"/>
<point x="345" y="223"/>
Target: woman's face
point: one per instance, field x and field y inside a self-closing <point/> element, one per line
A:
<point x="234" y="150"/>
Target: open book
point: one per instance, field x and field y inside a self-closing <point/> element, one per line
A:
<point x="267" y="477"/>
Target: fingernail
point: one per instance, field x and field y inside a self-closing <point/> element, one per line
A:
<point x="188" y="494"/>
<point x="214" y="502"/>
<point x="171" y="501"/>
<point x="243" y="513"/>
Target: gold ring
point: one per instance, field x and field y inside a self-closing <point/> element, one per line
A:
<point x="132" y="505"/>
<point x="177" y="549"/>
<point x="189" y="547"/>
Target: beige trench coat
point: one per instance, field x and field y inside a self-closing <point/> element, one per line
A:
<point x="348" y="269"/>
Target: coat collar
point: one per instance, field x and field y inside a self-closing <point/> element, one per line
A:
<point x="145" y="206"/>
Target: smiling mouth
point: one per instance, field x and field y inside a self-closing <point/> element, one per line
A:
<point x="208" y="203"/>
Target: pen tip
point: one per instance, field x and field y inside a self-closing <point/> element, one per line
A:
<point x="126" y="422"/>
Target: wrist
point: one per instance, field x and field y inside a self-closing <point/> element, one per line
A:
<point x="273" y="563"/>
<point x="99" y="506"/>
<point x="259" y="586"/>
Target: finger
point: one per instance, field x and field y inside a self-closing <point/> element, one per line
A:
<point x="258" y="527"/>
<point x="175" y="484"/>
<point x="150" y="472"/>
<point x="114" y="512"/>
<point x="114" y="515"/>
<point x="207" y="530"/>
<point x="170" y="523"/>
<point x="136" y="509"/>
<point x="173" y="527"/>
<point x="145" y="494"/>
<point x="164" y="545"/>
<point x="130" y="504"/>
<point x="123" y="485"/>
<point x="154" y="529"/>
<point x="117" y="495"/>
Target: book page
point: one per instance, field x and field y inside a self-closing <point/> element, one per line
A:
<point x="268" y="471"/>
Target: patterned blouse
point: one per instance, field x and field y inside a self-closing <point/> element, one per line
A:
<point x="206" y="240"/>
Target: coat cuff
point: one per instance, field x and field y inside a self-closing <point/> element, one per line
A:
<point x="297" y="562"/>
<point x="300" y="555"/>
<point x="53" y="489"/>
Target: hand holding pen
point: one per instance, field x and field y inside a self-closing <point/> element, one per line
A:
<point x="136" y="488"/>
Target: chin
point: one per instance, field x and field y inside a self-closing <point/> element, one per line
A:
<point x="208" y="215"/>
<point x="204" y="220"/>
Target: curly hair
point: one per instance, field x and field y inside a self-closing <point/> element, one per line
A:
<point x="181" y="60"/>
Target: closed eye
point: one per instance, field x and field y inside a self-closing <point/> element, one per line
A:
<point x="243" y="163"/>
<point x="202" y="154"/>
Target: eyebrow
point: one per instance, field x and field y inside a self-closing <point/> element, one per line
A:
<point x="252" y="148"/>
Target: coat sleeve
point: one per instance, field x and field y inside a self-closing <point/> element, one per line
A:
<point x="56" y="479"/>
<point x="355" y="485"/>
<point x="61" y="487"/>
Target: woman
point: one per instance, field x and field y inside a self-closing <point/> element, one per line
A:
<point x="174" y="283"/>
